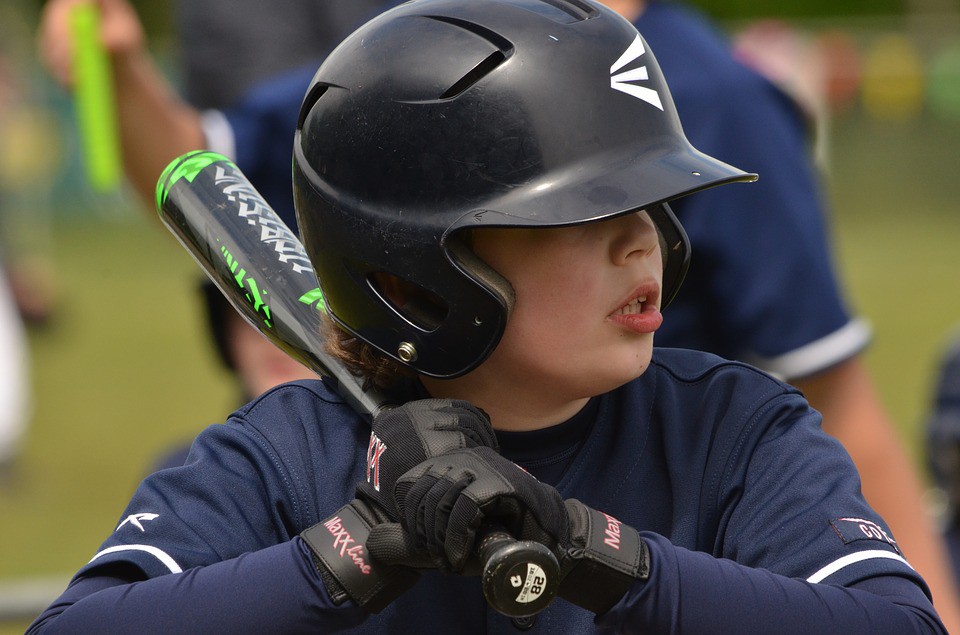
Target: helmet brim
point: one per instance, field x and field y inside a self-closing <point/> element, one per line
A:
<point x="604" y="188"/>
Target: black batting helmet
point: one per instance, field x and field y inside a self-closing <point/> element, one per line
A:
<point x="446" y="115"/>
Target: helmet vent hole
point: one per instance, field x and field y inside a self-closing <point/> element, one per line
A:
<point x="475" y="75"/>
<point x="420" y="307"/>
<point x="316" y="92"/>
<point x="574" y="8"/>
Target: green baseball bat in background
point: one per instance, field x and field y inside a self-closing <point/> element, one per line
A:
<point x="94" y="99"/>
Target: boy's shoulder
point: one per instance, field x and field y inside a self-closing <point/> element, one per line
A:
<point x="305" y="410"/>
<point x="303" y="393"/>
<point x="690" y="367"/>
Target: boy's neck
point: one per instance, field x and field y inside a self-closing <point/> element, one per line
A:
<point x="510" y="410"/>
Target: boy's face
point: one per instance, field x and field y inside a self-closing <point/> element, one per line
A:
<point x="587" y="303"/>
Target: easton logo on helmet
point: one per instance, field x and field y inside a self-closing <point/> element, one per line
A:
<point x="621" y="81"/>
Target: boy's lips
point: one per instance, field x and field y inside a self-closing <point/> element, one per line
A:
<point x="640" y="313"/>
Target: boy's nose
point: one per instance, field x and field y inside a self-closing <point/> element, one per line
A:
<point x="634" y="236"/>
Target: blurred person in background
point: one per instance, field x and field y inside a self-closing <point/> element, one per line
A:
<point x="943" y="447"/>
<point x="793" y="319"/>
<point x="807" y="336"/>
<point x="14" y="349"/>
<point x="14" y="381"/>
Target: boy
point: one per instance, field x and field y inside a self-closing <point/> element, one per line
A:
<point x="482" y="188"/>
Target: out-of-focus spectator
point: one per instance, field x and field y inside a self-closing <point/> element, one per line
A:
<point x="943" y="446"/>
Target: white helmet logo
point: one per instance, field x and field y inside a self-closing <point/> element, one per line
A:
<point x="622" y="81"/>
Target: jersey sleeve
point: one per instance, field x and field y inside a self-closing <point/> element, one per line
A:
<point x="797" y="549"/>
<point x="277" y="589"/>
<point x="722" y="596"/>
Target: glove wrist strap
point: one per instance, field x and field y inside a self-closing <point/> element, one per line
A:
<point x="339" y="543"/>
<point x="608" y="557"/>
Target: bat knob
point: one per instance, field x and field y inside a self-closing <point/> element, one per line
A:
<point x="520" y="578"/>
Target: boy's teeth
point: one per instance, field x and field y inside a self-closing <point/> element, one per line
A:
<point x="633" y="307"/>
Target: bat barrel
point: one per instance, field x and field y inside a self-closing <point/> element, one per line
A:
<point x="258" y="264"/>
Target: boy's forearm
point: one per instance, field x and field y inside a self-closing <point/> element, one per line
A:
<point x="156" y="126"/>
<point x="276" y="589"/>
<point x="697" y="594"/>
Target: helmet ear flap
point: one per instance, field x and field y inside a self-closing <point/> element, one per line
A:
<point x="471" y="264"/>
<point x="674" y="247"/>
<point x="425" y="309"/>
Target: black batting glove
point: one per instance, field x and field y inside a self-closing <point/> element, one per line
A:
<point x="401" y="438"/>
<point x="444" y="501"/>
<point x="406" y="436"/>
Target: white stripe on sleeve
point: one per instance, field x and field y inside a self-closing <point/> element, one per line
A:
<point x="853" y="558"/>
<point x="160" y="555"/>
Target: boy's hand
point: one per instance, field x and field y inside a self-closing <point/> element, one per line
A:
<point x="445" y="500"/>
<point x="406" y="436"/>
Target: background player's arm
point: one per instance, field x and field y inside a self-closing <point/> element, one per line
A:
<point x="852" y="412"/>
<point x="155" y="125"/>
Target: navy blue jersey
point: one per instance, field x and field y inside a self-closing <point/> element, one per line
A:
<point x="753" y="516"/>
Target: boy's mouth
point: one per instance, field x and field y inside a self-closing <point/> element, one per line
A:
<point x="640" y="314"/>
<point x="642" y="300"/>
<point x="633" y="307"/>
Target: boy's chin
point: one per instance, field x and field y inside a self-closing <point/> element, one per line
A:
<point x="620" y="372"/>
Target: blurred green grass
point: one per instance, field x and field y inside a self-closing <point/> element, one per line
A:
<point x="896" y="225"/>
<point x="121" y="375"/>
<point x="125" y="373"/>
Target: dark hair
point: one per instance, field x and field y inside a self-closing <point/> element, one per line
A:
<point x="364" y="360"/>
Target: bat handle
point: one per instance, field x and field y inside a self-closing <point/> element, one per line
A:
<point x="520" y="577"/>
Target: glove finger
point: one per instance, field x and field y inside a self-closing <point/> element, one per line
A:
<point x="463" y="523"/>
<point x="437" y="424"/>
<point x="408" y="501"/>
<point x="512" y="497"/>
<point x="474" y="424"/>
<point x="437" y="509"/>
<point x="434" y="509"/>
<point x="390" y="544"/>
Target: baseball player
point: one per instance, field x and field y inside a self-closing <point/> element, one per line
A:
<point x="483" y="189"/>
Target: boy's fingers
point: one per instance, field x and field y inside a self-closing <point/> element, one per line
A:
<point x="54" y="42"/>
<point x="121" y="29"/>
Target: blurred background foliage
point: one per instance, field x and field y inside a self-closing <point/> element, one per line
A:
<point x="122" y="368"/>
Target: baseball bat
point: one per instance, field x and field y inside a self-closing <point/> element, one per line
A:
<point x="94" y="99"/>
<point x="262" y="269"/>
